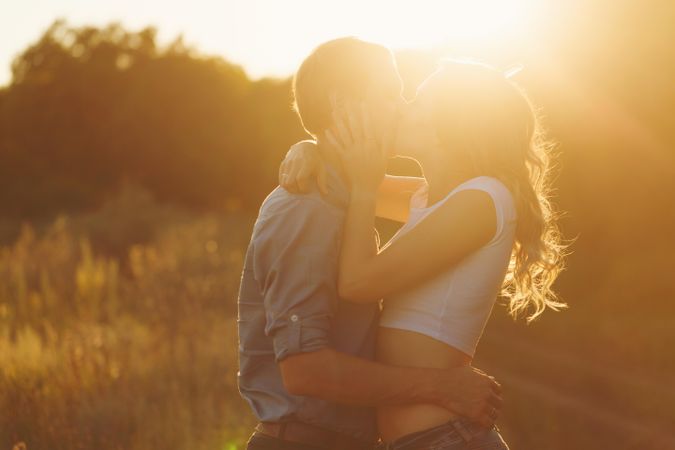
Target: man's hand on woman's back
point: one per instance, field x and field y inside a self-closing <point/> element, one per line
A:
<point x="471" y="393"/>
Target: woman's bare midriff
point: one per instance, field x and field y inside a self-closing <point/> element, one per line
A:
<point x="411" y="349"/>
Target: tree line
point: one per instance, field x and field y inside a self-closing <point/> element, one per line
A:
<point x="90" y="108"/>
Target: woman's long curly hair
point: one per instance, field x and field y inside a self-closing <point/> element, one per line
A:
<point x="487" y="121"/>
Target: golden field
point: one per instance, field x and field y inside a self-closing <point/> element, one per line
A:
<point x="138" y="350"/>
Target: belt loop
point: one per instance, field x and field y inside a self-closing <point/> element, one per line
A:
<point x="282" y="430"/>
<point x="461" y="429"/>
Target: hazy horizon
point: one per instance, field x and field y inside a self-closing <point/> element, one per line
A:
<point x="268" y="38"/>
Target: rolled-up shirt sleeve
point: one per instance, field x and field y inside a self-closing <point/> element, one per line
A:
<point x="296" y="255"/>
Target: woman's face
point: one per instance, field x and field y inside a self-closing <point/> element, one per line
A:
<point x="416" y="135"/>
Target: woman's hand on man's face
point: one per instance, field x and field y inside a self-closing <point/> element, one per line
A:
<point x="300" y="167"/>
<point x="364" y="158"/>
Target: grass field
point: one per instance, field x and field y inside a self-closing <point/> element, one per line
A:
<point x="136" y="348"/>
<point x="134" y="353"/>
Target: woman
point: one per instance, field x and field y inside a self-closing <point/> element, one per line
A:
<point x="479" y="225"/>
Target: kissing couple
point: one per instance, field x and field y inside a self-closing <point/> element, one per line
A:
<point x="347" y="343"/>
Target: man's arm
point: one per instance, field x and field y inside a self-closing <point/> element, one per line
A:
<point x="342" y="378"/>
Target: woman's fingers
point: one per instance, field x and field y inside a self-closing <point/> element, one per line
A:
<point x="375" y="147"/>
<point x="366" y="126"/>
<point x="343" y="133"/>
<point x="340" y="122"/>
<point x="330" y="137"/>
<point x="355" y="121"/>
<point x="495" y="401"/>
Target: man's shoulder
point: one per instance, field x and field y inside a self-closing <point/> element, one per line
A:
<point x="285" y="216"/>
<point x="280" y="202"/>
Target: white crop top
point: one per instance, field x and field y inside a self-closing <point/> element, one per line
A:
<point x="454" y="306"/>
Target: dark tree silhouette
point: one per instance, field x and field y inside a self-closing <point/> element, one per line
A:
<point x="90" y="107"/>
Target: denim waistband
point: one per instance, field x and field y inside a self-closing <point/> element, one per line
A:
<point x="459" y="428"/>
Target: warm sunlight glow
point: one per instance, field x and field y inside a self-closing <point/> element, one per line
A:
<point x="453" y="21"/>
<point x="423" y="23"/>
<point x="169" y="239"/>
<point x="271" y="37"/>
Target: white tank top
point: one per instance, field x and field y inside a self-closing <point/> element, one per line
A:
<point x="454" y="306"/>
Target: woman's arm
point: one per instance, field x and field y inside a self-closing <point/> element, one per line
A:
<point x="463" y="224"/>
<point x="302" y="164"/>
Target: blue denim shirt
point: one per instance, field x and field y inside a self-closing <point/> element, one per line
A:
<point x="288" y="303"/>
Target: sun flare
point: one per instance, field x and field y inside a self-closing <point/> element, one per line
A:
<point x="301" y="25"/>
<point x="461" y="22"/>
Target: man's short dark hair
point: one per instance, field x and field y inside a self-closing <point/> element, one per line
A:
<point x="348" y="66"/>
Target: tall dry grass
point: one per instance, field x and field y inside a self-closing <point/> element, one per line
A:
<point x="132" y="352"/>
<point x="117" y="331"/>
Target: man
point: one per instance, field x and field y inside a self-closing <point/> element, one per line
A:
<point x="306" y="357"/>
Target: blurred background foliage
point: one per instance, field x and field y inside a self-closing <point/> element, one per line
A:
<point x="88" y="108"/>
<point x="130" y="178"/>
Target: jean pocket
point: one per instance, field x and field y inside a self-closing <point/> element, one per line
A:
<point x="451" y="441"/>
<point x="491" y="440"/>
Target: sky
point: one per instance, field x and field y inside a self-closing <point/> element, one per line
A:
<point x="268" y="37"/>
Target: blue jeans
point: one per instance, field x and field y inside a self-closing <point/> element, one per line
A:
<point x="458" y="434"/>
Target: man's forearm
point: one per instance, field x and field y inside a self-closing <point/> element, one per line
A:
<point x="342" y="378"/>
